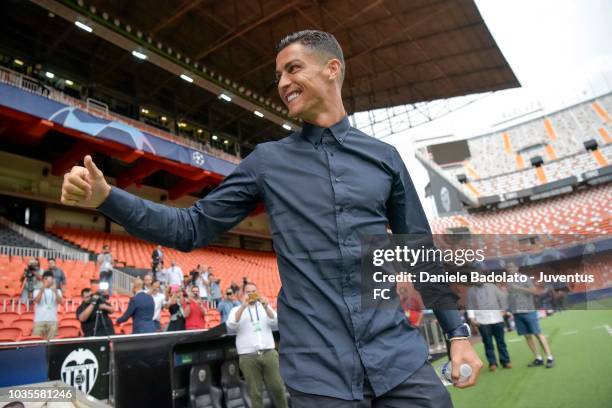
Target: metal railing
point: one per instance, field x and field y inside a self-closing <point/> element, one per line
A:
<point x="42" y="253"/>
<point x="52" y="248"/>
<point x="122" y="282"/>
<point x="100" y="110"/>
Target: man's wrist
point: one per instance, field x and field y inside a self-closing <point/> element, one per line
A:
<point x="461" y="332"/>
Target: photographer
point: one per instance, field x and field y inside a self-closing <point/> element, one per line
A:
<point x="157" y="258"/>
<point x="106" y="263"/>
<point x="30" y="280"/>
<point x="194" y="310"/>
<point x="58" y="274"/>
<point x="87" y="314"/>
<point x="215" y="290"/>
<point x="253" y="322"/>
<point x="46" y="300"/>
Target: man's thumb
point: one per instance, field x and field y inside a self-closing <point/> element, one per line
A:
<point x="91" y="167"/>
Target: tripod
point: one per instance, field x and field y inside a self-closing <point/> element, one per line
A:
<point x="99" y="319"/>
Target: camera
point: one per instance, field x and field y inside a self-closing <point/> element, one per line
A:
<point x="30" y="271"/>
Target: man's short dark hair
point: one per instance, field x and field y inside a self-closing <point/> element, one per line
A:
<point x="47" y="274"/>
<point x="84" y="291"/>
<point x="318" y="41"/>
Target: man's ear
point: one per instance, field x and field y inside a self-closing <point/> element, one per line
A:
<point x="334" y="67"/>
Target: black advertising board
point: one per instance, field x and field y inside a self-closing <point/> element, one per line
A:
<point x="84" y="364"/>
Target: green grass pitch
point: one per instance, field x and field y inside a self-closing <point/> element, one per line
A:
<point x="582" y="346"/>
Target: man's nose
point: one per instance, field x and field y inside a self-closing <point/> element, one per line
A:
<point x="283" y="84"/>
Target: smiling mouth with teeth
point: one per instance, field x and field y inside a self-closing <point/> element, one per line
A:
<point x="292" y="96"/>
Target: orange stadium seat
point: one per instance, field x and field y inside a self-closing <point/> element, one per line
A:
<point x="229" y="264"/>
<point x="12" y="333"/>
<point x="585" y="211"/>
<point x="30" y="338"/>
<point x="126" y="328"/>
<point x="24" y="325"/>
<point x="64" y="332"/>
<point x="8" y="318"/>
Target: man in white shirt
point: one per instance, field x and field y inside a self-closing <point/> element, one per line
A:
<point x="105" y="267"/>
<point x="159" y="299"/>
<point x="486" y="305"/>
<point x="253" y="322"/>
<point x="175" y="275"/>
<point x="46" y="301"/>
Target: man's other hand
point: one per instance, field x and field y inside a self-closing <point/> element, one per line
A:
<point x="85" y="186"/>
<point x="462" y="352"/>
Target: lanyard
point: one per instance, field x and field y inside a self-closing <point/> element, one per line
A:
<point x="45" y="297"/>
<point x="256" y="313"/>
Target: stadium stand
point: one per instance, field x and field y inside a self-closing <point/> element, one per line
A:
<point x="101" y="110"/>
<point x="587" y="211"/>
<point x="9" y="237"/>
<point x="500" y="162"/>
<point x="228" y="264"/>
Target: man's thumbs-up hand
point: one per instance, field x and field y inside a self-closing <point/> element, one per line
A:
<point x="85" y="186"/>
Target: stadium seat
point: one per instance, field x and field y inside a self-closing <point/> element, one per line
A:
<point x="233" y="396"/>
<point x="8" y="318"/>
<point x="126" y="328"/>
<point x="64" y="332"/>
<point x="24" y="325"/>
<point x="202" y="394"/>
<point x="71" y="322"/>
<point x="30" y="338"/>
<point x="10" y="333"/>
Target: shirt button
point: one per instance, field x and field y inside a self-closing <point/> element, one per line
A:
<point x="338" y="179"/>
<point x="340" y="209"/>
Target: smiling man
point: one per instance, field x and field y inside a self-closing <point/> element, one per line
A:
<point x="323" y="188"/>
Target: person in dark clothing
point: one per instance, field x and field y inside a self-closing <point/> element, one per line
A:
<point x="177" y="316"/>
<point x="141" y="309"/>
<point x="157" y="258"/>
<point x="87" y="314"/>
<point x="325" y="186"/>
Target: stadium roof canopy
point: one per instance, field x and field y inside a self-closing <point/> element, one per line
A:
<point x="397" y="51"/>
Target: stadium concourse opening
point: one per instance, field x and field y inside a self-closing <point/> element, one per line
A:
<point x="168" y="98"/>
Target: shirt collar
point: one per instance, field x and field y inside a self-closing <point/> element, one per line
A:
<point x="313" y="133"/>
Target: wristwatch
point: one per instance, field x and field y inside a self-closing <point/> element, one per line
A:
<point x="462" y="332"/>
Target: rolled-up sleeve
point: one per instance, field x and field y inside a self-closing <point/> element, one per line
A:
<point x="273" y="323"/>
<point x="231" y="322"/>
<point x="406" y="216"/>
<point x="194" y="227"/>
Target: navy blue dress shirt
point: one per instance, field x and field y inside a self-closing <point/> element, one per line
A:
<point x="322" y="189"/>
<point x="140" y="308"/>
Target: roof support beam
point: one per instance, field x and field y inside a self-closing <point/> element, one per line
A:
<point x="233" y="35"/>
<point x="70" y="158"/>
<point x="187" y="186"/>
<point x="143" y="169"/>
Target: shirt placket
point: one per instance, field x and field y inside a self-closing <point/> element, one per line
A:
<point x="350" y="293"/>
